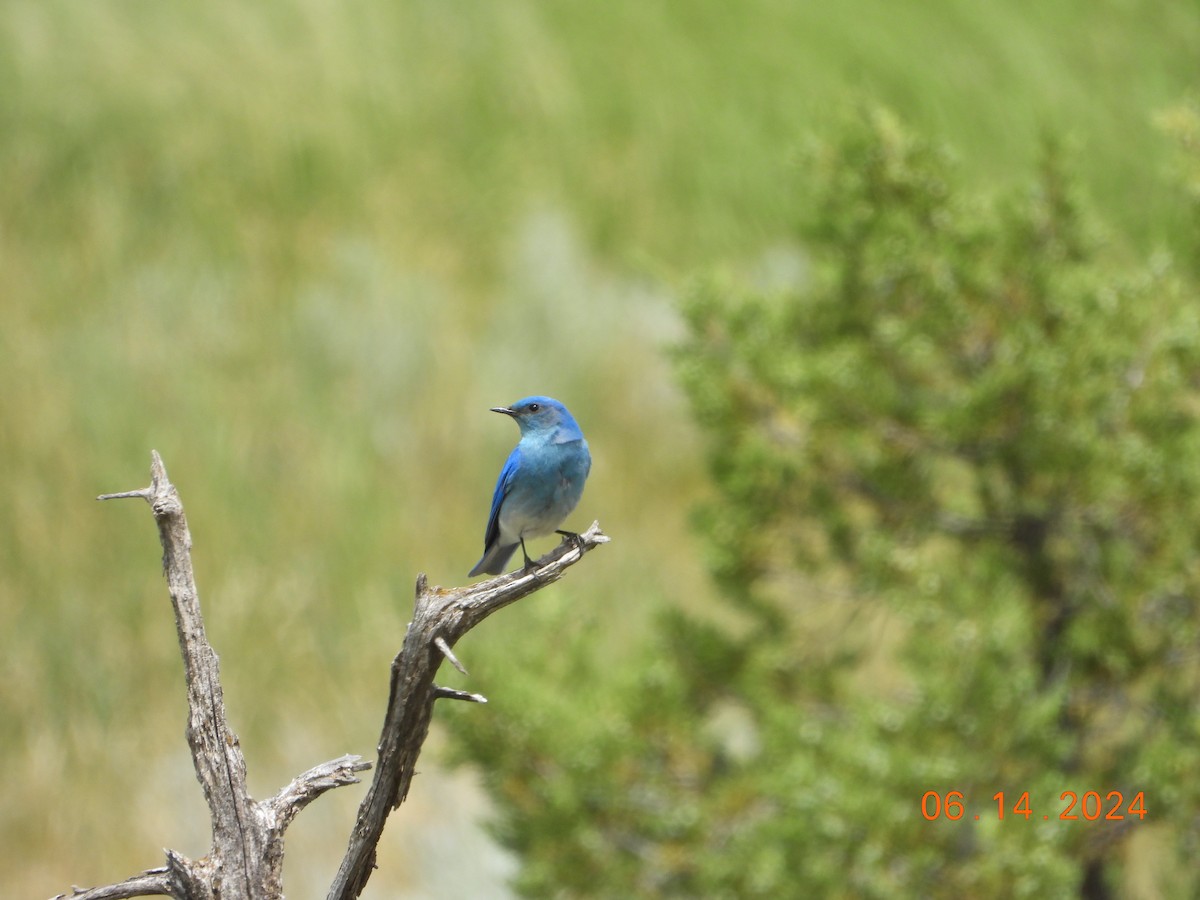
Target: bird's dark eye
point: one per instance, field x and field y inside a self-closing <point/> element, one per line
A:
<point x="534" y="407"/>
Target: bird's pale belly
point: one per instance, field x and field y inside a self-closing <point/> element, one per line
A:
<point x="539" y="516"/>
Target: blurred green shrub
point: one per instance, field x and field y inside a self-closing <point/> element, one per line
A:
<point x="953" y="516"/>
<point x="1182" y="123"/>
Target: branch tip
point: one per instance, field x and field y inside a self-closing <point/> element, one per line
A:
<point x="440" y="643"/>
<point x="151" y="882"/>
<point x="594" y="535"/>
<point x="445" y="693"/>
<point x="144" y="493"/>
<point x="158" y="471"/>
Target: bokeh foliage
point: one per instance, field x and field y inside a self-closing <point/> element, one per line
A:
<point x="954" y="514"/>
<point x="300" y="247"/>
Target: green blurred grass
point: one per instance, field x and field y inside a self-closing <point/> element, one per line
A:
<point x="300" y="248"/>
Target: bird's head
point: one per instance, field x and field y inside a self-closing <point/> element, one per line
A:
<point x="543" y="416"/>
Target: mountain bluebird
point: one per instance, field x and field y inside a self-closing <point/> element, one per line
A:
<point x="540" y="483"/>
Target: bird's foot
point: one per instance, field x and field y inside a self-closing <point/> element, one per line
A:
<point x="572" y="537"/>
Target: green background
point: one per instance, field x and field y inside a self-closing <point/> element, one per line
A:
<point x="299" y="248"/>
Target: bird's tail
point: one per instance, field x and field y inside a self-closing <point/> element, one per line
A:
<point x="495" y="558"/>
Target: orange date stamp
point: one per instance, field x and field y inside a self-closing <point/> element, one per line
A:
<point x="1091" y="807"/>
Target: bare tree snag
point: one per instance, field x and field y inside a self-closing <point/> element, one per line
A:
<point x="441" y="617"/>
<point x="245" y="861"/>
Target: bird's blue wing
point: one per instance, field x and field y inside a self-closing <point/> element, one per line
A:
<point x="503" y="486"/>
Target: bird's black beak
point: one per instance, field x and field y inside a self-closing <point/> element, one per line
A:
<point x="505" y="410"/>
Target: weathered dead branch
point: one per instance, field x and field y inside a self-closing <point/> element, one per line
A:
<point x="246" y="858"/>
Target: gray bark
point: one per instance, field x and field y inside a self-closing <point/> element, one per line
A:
<point x="246" y="858"/>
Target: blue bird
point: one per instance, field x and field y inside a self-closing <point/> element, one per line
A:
<point x="540" y="483"/>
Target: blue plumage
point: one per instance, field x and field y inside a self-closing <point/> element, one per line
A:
<point x="541" y="482"/>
